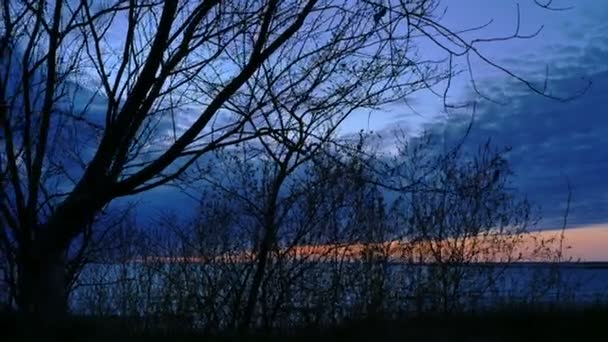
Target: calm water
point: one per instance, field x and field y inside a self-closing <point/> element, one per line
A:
<point x="479" y="285"/>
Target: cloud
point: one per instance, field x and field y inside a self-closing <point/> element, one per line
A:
<point x="553" y="143"/>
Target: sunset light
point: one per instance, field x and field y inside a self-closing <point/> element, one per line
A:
<point x="289" y="170"/>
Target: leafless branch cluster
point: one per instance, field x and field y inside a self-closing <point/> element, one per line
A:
<point x="322" y="243"/>
<point x="100" y="100"/>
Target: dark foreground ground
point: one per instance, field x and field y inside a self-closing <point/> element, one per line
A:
<point x="513" y="324"/>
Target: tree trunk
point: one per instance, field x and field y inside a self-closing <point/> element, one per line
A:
<point x="41" y="274"/>
<point x="256" y="282"/>
<point x="270" y="232"/>
<point x="42" y="294"/>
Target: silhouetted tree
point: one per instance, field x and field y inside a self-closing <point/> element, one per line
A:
<point x="100" y="100"/>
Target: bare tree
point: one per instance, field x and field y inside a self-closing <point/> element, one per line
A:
<point x="270" y="180"/>
<point x="100" y="100"/>
<point x="339" y="248"/>
<point x="249" y="243"/>
<point x="460" y="213"/>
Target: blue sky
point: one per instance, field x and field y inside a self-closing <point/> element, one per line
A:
<point x="553" y="142"/>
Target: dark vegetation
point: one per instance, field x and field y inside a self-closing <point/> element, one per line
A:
<point x="300" y="231"/>
<point x="508" y="324"/>
<point x="342" y="259"/>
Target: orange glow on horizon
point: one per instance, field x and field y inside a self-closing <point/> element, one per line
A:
<point x="588" y="243"/>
